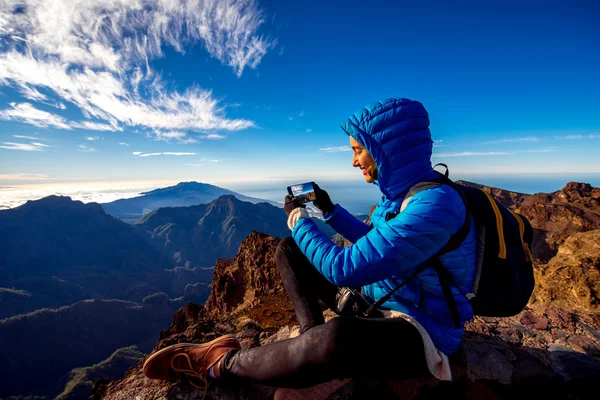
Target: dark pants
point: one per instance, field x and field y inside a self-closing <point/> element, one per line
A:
<point x="344" y="347"/>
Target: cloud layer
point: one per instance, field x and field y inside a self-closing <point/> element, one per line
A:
<point x="95" y="55"/>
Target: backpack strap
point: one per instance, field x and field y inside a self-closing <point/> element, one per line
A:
<point x="453" y="243"/>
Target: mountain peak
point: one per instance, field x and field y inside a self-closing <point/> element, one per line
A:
<point x="60" y="203"/>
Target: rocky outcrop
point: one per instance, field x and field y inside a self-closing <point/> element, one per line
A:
<point x="558" y="215"/>
<point x="544" y="351"/>
<point x="572" y="278"/>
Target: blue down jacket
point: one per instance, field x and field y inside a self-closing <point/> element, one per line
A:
<point x="396" y="134"/>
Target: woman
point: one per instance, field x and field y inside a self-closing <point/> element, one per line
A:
<point x="391" y="145"/>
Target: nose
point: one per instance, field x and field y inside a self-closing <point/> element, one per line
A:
<point x="355" y="161"/>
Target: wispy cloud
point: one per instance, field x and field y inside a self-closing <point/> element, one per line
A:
<point x="204" y="162"/>
<point x="85" y="149"/>
<point x="335" y="149"/>
<point x="34" y="146"/>
<point x="95" y="126"/>
<point x="168" y="153"/>
<point x="579" y="137"/>
<point x="177" y="136"/>
<point x="308" y="130"/>
<point x="93" y="138"/>
<point x="25" y="112"/>
<point x="544" y="150"/>
<point x="28" y="137"/>
<point x="24" y="177"/>
<point x="124" y="144"/>
<point x="96" y="55"/>
<point x="472" y="154"/>
<point x="512" y="140"/>
<point x="212" y="136"/>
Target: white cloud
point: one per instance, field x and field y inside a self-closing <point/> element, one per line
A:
<point x="28" y="137"/>
<point x="212" y="136"/>
<point x="203" y="162"/>
<point x="472" y="154"/>
<point x="34" y="146"/>
<point x="96" y="55"/>
<point x="95" y="126"/>
<point x="31" y="93"/>
<point x="93" y="138"/>
<point x="545" y="150"/>
<point x="335" y="149"/>
<point x="177" y="136"/>
<point x="24" y="177"/>
<point x="511" y="140"/>
<point x="27" y="113"/>
<point x="308" y="130"/>
<point x="86" y="149"/>
<point x="168" y="153"/>
<point x="578" y="137"/>
<point x="124" y="144"/>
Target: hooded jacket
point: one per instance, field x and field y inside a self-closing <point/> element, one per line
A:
<point x="396" y="134"/>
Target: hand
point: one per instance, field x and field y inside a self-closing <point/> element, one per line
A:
<point x="322" y="200"/>
<point x="291" y="204"/>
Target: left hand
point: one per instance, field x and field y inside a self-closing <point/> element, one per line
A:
<point x="291" y="204"/>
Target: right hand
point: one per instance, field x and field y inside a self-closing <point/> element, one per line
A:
<point x="322" y="200"/>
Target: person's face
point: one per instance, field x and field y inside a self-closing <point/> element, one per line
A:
<point x="363" y="160"/>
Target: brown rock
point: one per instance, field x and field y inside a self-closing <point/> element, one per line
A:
<point x="572" y="277"/>
<point x="537" y="322"/>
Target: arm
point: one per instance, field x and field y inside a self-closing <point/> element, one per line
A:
<point x="391" y="249"/>
<point x="346" y="224"/>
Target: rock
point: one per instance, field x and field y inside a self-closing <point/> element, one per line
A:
<point x="572" y="277"/>
<point x="545" y="351"/>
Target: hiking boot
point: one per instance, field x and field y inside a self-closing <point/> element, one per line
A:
<point x="189" y="360"/>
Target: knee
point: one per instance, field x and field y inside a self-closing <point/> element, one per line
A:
<point x="332" y="338"/>
<point x="285" y="247"/>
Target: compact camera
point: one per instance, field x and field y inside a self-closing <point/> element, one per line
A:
<point x="351" y="302"/>
<point x="304" y="192"/>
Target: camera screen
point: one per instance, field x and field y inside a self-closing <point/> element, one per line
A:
<point x="302" y="188"/>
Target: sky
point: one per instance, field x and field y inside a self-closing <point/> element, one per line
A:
<point x="231" y="92"/>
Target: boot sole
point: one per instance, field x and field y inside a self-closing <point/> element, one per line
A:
<point x="180" y="346"/>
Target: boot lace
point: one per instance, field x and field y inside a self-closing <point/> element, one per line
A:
<point x="191" y="373"/>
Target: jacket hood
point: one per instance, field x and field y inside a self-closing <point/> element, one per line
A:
<point x="396" y="134"/>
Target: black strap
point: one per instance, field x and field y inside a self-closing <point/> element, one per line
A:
<point x="453" y="243"/>
<point x="445" y="282"/>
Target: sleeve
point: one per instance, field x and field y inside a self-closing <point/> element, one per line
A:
<point x="346" y="224"/>
<point x="394" y="248"/>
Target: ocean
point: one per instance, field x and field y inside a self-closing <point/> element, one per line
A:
<point x="354" y="195"/>
<point x="358" y="196"/>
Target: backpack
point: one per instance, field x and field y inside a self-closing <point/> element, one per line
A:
<point x="504" y="278"/>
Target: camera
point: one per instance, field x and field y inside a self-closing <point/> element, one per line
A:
<point x="302" y="191"/>
<point x="351" y="302"/>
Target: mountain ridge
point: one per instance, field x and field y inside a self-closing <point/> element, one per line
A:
<point x="181" y="195"/>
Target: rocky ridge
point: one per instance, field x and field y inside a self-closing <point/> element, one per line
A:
<point x="544" y="351"/>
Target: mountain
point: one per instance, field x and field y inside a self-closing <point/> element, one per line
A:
<point x="40" y="348"/>
<point x="543" y="352"/>
<point x="56" y="251"/>
<point x="181" y="195"/>
<point x="199" y="235"/>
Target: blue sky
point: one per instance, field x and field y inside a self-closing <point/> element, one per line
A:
<point x="237" y="91"/>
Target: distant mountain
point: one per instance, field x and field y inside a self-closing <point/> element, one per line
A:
<point x="181" y="195"/>
<point x="199" y="235"/>
<point x="56" y="251"/>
